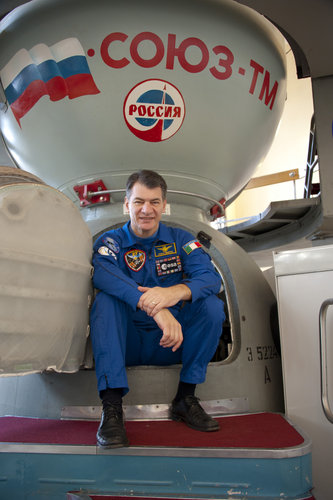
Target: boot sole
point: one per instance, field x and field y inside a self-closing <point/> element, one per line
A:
<point x="111" y="446"/>
<point x="179" y="418"/>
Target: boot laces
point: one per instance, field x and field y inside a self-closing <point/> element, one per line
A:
<point x="113" y="410"/>
<point x="195" y="407"/>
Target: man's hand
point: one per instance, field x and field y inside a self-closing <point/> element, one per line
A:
<point x="171" y="328"/>
<point x="155" y="299"/>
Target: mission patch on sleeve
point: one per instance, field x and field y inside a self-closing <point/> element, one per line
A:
<point x="107" y="251"/>
<point x="112" y="244"/>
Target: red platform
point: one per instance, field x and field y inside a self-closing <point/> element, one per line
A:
<point x="260" y="430"/>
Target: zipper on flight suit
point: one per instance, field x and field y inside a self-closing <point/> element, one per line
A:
<point x="150" y="260"/>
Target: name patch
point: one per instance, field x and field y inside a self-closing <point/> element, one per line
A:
<point x="168" y="265"/>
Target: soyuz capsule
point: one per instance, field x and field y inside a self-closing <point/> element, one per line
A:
<point x="193" y="89"/>
<point x="92" y="91"/>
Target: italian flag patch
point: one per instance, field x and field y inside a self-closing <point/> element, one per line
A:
<point x="191" y="245"/>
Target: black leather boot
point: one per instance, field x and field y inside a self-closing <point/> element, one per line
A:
<point x="192" y="414"/>
<point x="111" y="432"/>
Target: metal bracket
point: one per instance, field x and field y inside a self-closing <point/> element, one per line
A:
<point x="92" y="194"/>
<point x="218" y="209"/>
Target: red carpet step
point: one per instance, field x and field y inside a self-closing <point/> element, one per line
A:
<point x="260" y="430"/>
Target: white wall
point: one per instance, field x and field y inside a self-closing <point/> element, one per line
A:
<point x="289" y="149"/>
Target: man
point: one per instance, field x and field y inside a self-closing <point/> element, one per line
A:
<point x="156" y="305"/>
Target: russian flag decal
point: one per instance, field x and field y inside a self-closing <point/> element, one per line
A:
<point x="57" y="71"/>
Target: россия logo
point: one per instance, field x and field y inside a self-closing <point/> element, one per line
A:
<point x="154" y="110"/>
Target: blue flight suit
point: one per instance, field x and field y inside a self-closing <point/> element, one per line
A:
<point x="123" y="335"/>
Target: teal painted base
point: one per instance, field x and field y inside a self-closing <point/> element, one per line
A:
<point x="49" y="476"/>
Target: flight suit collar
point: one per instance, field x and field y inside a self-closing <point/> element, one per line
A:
<point x="164" y="235"/>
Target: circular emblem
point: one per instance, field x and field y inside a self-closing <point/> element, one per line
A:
<point x="154" y="110"/>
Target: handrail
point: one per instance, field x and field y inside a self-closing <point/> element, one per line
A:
<point x="323" y="359"/>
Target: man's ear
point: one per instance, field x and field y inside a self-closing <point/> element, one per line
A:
<point x="126" y="203"/>
<point x="164" y="205"/>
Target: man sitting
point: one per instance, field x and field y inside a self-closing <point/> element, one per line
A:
<point x="156" y="305"/>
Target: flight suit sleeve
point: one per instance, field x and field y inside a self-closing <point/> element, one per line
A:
<point x="109" y="278"/>
<point x="200" y="274"/>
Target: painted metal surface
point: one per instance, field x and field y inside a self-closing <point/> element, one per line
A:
<point x="211" y="74"/>
<point x="158" y="411"/>
<point x="137" y="451"/>
<point x="303" y="261"/>
<point x="225" y="68"/>
<point x="304" y="283"/>
<point x="48" y="477"/>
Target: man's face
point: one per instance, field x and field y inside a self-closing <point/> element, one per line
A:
<point x="145" y="207"/>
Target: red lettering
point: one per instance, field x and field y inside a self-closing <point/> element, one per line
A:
<point x="147" y="63"/>
<point x="224" y="63"/>
<point x="132" y="109"/>
<point x="180" y="53"/>
<point x="257" y="69"/>
<point x="269" y="96"/>
<point x="167" y="111"/>
<point x="221" y="71"/>
<point x="176" y="112"/>
<point x="172" y="51"/>
<point x="142" y="110"/>
<point x="159" y="111"/>
<point x="114" y="63"/>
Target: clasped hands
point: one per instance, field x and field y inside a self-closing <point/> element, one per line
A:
<point x="156" y="301"/>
